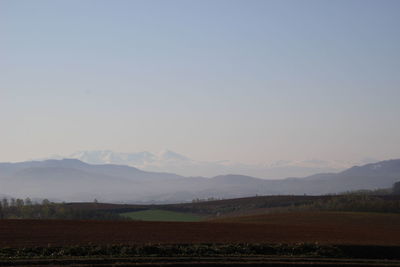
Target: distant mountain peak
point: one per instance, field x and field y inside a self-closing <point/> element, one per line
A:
<point x="171" y="155"/>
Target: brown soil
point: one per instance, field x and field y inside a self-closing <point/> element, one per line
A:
<point x="322" y="227"/>
<point x="204" y="261"/>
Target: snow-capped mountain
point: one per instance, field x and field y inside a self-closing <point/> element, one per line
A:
<point x="169" y="161"/>
<point x="110" y="157"/>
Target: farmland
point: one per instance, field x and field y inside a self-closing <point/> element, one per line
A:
<point x="309" y="227"/>
<point x="320" y="230"/>
<point x="297" y="238"/>
<point x="161" y="215"/>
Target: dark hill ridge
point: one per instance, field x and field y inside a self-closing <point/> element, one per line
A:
<point x="73" y="180"/>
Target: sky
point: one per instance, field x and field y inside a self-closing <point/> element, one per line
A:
<point x="248" y="81"/>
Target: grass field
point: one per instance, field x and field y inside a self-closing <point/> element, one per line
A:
<point x="162" y="215"/>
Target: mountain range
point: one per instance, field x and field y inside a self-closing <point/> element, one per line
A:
<point x="74" y="180"/>
<point x="170" y="161"/>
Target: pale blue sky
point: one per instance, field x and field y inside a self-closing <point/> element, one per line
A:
<point x="249" y="81"/>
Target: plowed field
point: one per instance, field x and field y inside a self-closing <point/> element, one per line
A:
<point x="322" y="227"/>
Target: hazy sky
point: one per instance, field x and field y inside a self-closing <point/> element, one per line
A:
<point x="250" y="81"/>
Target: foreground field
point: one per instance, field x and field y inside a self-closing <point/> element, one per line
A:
<point x="321" y="227"/>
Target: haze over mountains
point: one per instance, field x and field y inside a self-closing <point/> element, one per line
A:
<point x="169" y="161"/>
<point x="74" y="180"/>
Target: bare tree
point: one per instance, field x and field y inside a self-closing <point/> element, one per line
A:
<point x="396" y="188"/>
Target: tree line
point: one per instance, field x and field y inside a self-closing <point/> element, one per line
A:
<point x="27" y="209"/>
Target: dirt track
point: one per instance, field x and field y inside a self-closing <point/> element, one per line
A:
<point x="281" y="228"/>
